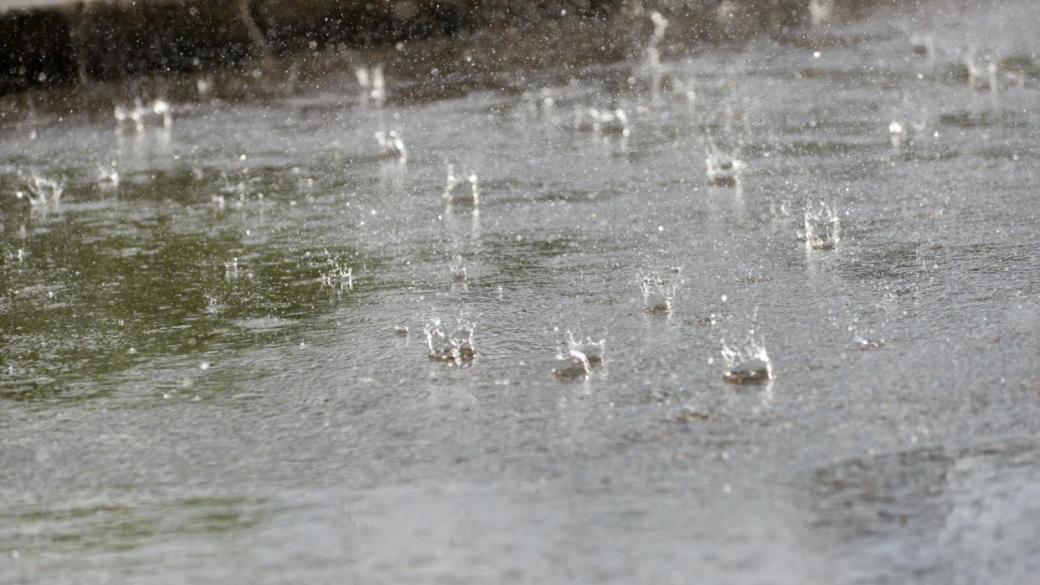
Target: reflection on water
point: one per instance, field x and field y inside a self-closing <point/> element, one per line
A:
<point x="149" y="289"/>
<point x="99" y="527"/>
<point x="932" y="515"/>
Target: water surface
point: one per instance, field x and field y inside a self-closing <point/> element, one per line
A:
<point x="169" y="418"/>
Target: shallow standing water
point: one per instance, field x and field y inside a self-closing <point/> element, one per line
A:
<point x="185" y="401"/>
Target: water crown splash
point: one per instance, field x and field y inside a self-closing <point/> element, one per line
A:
<point x="391" y="147"/>
<point x="659" y="293"/>
<point x="822" y="227"/>
<point x="593" y="350"/>
<point x="723" y="169"/>
<point x="461" y="191"/>
<point x="746" y="363"/>
<point x="140" y="116"/>
<point x="455" y="345"/>
<point x="40" y="191"/>
<point x="373" y="85"/>
<point x="457" y="269"/>
<point x="338" y="275"/>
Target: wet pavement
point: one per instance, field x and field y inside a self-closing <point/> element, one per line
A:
<point x="193" y="392"/>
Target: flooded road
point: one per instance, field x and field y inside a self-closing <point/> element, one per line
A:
<point x="205" y="377"/>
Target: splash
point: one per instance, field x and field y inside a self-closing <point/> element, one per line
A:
<point x="594" y="351"/>
<point x="610" y="122"/>
<point x="139" y="116"/>
<point x="864" y="344"/>
<point x="462" y="191"/>
<point x="231" y="269"/>
<point x="685" y="90"/>
<point x="454" y="345"/>
<point x="688" y="414"/>
<point x="605" y="122"/>
<point x="457" y="269"/>
<point x="373" y="85"/>
<point x="236" y="193"/>
<point x="822" y="228"/>
<point x="982" y="72"/>
<point x="896" y="134"/>
<point x="659" y="293"/>
<point x="542" y="102"/>
<point x="723" y="169"/>
<point x="42" y="192"/>
<point x="213" y="305"/>
<point x="108" y="176"/>
<point x="338" y="275"/>
<point x="901" y="134"/>
<point x="582" y="120"/>
<point x="575" y="359"/>
<point x="660" y="25"/>
<point x="780" y="208"/>
<point x="746" y="363"/>
<point x="570" y="364"/>
<point x="391" y="147"/>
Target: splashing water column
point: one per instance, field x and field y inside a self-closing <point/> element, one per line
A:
<point x="746" y="363"/>
<point x="571" y="364"/>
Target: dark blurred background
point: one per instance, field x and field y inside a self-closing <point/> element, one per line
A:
<point x="51" y="42"/>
